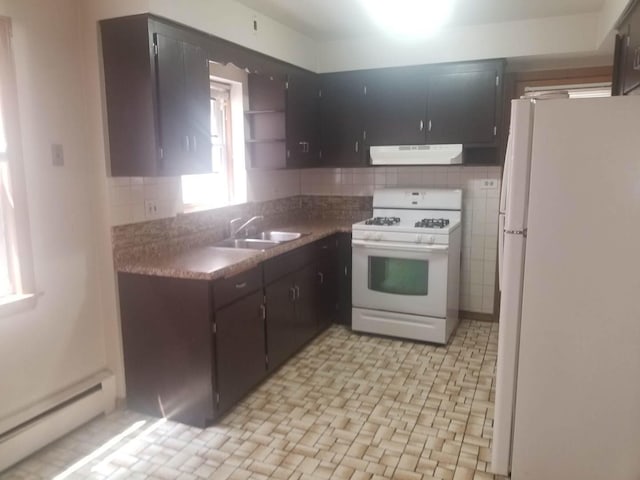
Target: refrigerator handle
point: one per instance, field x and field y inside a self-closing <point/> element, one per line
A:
<point x="500" y="249"/>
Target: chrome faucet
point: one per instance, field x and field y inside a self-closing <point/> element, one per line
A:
<point x="235" y="231"/>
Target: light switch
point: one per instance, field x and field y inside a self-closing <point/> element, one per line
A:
<point x="57" y="155"/>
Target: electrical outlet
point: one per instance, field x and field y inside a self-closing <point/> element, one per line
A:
<point x="489" y="185"/>
<point x="57" y="155"/>
<point x="150" y="208"/>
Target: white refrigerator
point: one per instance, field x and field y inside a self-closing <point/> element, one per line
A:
<point x="567" y="400"/>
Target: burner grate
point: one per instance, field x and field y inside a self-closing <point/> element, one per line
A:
<point x="432" y="223"/>
<point x="383" y="221"/>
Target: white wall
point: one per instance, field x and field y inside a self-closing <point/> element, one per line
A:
<point x="573" y="35"/>
<point x="61" y="340"/>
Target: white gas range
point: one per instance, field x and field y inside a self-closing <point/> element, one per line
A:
<point x="406" y="264"/>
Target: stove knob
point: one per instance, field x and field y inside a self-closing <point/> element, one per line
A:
<point x="431" y="239"/>
<point x="378" y="236"/>
<point x="418" y="238"/>
<point x="367" y="236"/>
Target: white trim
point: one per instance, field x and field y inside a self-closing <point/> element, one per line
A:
<point x="11" y="304"/>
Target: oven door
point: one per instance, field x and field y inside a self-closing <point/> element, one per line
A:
<point x="397" y="277"/>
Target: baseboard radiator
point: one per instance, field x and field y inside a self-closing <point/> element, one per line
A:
<point x="27" y="431"/>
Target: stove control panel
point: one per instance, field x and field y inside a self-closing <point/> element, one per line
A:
<point x="401" y="237"/>
<point x="428" y="239"/>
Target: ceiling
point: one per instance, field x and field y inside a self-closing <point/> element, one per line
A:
<point x="335" y="19"/>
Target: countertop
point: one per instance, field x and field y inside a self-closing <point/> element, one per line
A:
<point x="207" y="262"/>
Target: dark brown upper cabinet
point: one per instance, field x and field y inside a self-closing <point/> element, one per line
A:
<point x="396" y="106"/>
<point x="265" y="118"/>
<point x="303" y="148"/>
<point x="157" y="98"/>
<point x="464" y="104"/>
<point x="627" y="58"/>
<point x="341" y="119"/>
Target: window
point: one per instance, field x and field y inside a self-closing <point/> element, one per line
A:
<point x="16" y="273"/>
<point x="227" y="184"/>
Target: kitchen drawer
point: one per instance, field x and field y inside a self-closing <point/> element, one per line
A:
<point x="230" y="289"/>
<point x="289" y="262"/>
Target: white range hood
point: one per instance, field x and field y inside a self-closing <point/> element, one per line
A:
<point x="417" y="155"/>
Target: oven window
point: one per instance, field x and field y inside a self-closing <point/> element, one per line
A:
<point x="399" y="276"/>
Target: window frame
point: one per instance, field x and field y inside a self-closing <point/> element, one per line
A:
<point x="13" y="190"/>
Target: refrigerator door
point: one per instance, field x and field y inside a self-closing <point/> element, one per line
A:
<point x="515" y="196"/>
<point x="577" y="410"/>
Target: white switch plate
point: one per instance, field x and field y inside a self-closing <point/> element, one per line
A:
<point x="489" y="184"/>
<point x="57" y="155"/>
<point x="150" y="209"/>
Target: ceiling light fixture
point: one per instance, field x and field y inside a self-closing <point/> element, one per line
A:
<point x="409" y="18"/>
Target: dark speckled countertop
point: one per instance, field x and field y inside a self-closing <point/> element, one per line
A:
<point x="206" y="262"/>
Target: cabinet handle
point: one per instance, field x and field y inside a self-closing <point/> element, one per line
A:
<point x="195" y="144"/>
<point x="186" y="142"/>
<point x="357" y="146"/>
<point x="292" y="294"/>
<point x="241" y="285"/>
<point x="321" y="277"/>
<point x="430" y="125"/>
<point x="421" y="125"/>
<point x="297" y="292"/>
<point x="636" y="60"/>
<point x="263" y="312"/>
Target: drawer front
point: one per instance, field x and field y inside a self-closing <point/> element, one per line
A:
<point x="289" y="262"/>
<point x="227" y="290"/>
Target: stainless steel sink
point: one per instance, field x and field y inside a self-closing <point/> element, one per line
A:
<point x="279" y="237"/>
<point x="251" y="243"/>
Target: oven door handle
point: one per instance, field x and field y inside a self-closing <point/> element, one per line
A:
<point x="402" y="247"/>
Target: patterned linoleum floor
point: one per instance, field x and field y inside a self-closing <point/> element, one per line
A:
<point x="348" y="406"/>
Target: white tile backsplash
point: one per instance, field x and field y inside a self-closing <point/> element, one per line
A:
<point x="127" y="197"/>
<point x="479" y="218"/>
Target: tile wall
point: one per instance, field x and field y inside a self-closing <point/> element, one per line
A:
<point x="480" y="214"/>
<point x="479" y="219"/>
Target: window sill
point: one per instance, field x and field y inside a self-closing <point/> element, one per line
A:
<point x="12" y="304"/>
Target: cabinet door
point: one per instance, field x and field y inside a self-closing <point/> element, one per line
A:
<point x="183" y="107"/>
<point x="396" y="106"/>
<point x="344" y="278"/>
<point x="281" y="342"/>
<point x="172" y="113"/>
<point x="462" y="107"/>
<point x="327" y="282"/>
<point x="306" y="286"/>
<point x="341" y="120"/>
<point x="302" y="120"/>
<point x="240" y="349"/>
<point x="198" y="109"/>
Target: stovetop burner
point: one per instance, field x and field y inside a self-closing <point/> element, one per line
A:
<point x="432" y="223"/>
<point x="382" y="221"/>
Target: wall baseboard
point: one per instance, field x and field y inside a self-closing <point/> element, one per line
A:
<point x="56" y="417"/>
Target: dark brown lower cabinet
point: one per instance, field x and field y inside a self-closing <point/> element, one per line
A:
<point x="194" y="348"/>
<point x="240" y="349"/>
<point x="291" y="314"/>
<point x="168" y="347"/>
<point x="327" y="280"/>
<point x="344" y="278"/>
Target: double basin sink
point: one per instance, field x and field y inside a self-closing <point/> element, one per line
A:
<point x="261" y="241"/>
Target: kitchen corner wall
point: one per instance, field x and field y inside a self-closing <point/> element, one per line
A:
<point x="479" y="217"/>
<point x="481" y="193"/>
